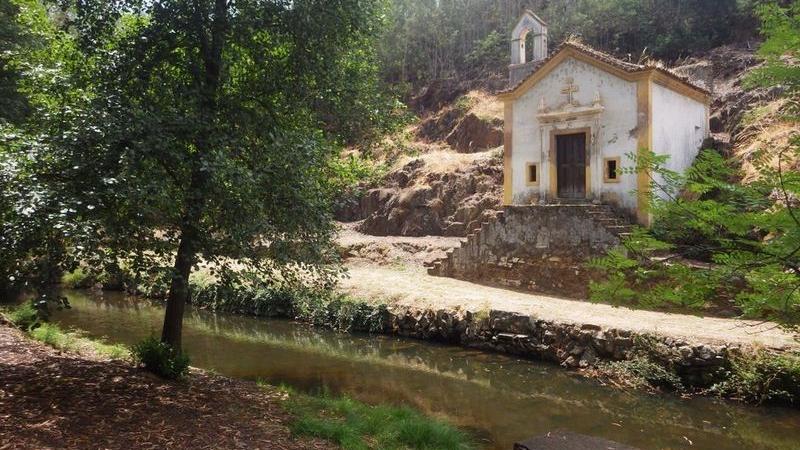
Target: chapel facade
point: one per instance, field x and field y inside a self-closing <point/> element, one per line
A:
<point x="572" y="116"/>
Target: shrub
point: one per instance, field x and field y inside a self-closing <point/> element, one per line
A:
<point x="641" y="373"/>
<point x="25" y="316"/>
<point x="763" y="377"/>
<point x="77" y="279"/>
<point x="160" y="359"/>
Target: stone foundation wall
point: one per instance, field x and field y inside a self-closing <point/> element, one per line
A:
<point x="541" y="248"/>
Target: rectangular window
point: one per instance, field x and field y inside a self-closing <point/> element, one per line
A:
<point x="532" y="174"/>
<point x="611" y="170"/>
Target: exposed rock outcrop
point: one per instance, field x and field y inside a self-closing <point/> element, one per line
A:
<point x="416" y="201"/>
<point x="473" y="134"/>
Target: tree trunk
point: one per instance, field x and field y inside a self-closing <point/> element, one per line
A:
<point x="178" y="292"/>
<point x="211" y="47"/>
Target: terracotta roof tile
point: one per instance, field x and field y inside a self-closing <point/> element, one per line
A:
<point x="608" y="59"/>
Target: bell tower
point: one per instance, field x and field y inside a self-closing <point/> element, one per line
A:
<point x="528" y="23"/>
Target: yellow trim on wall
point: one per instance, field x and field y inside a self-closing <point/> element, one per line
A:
<point x="552" y="192"/>
<point x="508" y="125"/>
<point x="681" y="88"/>
<point x="644" y="107"/>
<point x="606" y="178"/>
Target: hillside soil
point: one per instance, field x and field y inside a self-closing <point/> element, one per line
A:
<point x="53" y="399"/>
<point x="412" y="287"/>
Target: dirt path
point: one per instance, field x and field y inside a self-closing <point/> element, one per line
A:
<point x="51" y="399"/>
<point x="411" y="286"/>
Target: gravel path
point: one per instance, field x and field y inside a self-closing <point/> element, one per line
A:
<point x="411" y="286"/>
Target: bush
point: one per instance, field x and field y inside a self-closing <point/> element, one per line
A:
<point x="160" y="359"/>
<point x="763" y="377"/>
<point x="318" y="306"/>
<point x="641" y="373"/>
<point x="25" y="316"/>
<point x="77" y="279"/>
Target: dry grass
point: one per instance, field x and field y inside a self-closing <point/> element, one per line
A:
<point x="766" y="129"/>
<point x="444" y="160"/>
<point x="484" y="105"/>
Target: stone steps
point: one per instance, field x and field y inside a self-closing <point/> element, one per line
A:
<point x="603" y="215"/>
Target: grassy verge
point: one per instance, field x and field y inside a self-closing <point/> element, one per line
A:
<point x="51" y="334"/>
<point x="357" y="426"/>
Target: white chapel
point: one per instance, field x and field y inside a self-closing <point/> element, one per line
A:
<point x="572" y="116"/>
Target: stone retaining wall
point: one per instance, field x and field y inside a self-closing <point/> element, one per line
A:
<point x="541" y="248"/>
<point x="570" y="345"/>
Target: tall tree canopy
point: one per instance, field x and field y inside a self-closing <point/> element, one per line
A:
<point x="431" y="39"/>
<point x="190" y="132"/>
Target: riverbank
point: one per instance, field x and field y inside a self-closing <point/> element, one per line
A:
<point x="74" y="395"/>
<point x="693" y="355"/>
<point x="57" y="399"/>
<point x="734" y="358"/>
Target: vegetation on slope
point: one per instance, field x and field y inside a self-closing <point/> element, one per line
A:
<point x="469" y="39"/>
<point x="747" y="233"/>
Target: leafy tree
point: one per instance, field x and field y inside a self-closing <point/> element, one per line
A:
<point x="194" y="132"/>
<point x="429" y="39"/>
<point x="748" y="232"/>
<point x="781" y="49"/>
<point x="32" y="236"/>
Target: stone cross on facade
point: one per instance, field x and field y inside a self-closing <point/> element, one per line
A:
<point x="569" y="90"/>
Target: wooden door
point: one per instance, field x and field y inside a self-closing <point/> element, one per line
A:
<point x="571" y="165"/>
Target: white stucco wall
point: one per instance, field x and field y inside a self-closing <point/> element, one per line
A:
<point x="680" y="124"/>
<point x="613" y="131"/>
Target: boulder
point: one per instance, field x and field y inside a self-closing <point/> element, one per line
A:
<point x="473" y="134"/>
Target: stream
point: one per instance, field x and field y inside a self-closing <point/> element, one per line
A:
<point x="500" y="399"/>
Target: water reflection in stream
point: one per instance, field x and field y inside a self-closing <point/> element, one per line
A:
<point x="504" y="399"/>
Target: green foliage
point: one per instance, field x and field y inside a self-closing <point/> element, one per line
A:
<point x="781" y="28"/>
<point x="354" y="425"/>
<point x="318" y="306"/>
<point x="746" y="234"/>
<point x="52" y="335"/>
<point x="77" y="279"/>
<point x="352" y="175"/>
<point x="25" y="316"/>
<point x="163" y="135"/>
<point x="29" y="318"/>
<point x="763" y="377"/>
<point x="641" y="373"/>
<point x="34" y="228"/>
<point x="160" y="358"/>
<point x="428" y="40"/>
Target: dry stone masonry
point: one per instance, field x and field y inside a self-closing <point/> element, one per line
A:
<point x="570" y="345"/>
<point x="542" y="248"/>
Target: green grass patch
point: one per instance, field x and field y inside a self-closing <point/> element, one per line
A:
<point x="354" y="425"/>
<point x="27" y="318"/>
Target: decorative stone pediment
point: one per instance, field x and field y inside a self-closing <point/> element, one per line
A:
<point x="570" y="109"/>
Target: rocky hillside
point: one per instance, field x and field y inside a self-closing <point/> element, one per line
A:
<point x="447" y="180"/>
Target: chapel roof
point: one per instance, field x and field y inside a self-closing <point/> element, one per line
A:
<point x="611" y="60"/>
